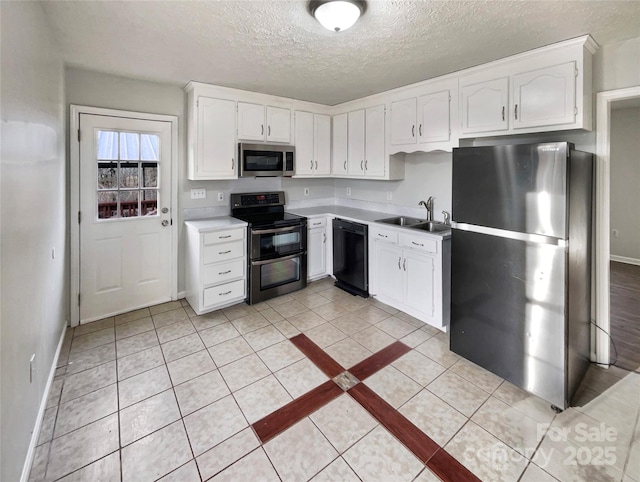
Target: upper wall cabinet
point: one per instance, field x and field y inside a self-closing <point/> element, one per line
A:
<point x="313" y="144"/>
<point x="260" y="124"/>
<point x="211" y="138"/>
<point x="547" y="89"/>
<point x="339" y="145"/>
<point x="365" y="144"/>
<point x="425" y="122"/>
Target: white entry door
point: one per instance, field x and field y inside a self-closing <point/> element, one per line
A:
<point x="125" y="214"/>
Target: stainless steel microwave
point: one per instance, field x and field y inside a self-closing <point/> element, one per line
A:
<point x="265" y="160"/>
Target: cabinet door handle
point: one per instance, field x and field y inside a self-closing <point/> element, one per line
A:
<point x="502" y="112"/>
<point x="413" y="130"/>
<point x="317" y="224"/>
<point x="233" y="163"/>
<point x="383" y="235"/>
<point x="404" y="264"/>
<point x="516" y="111"/>
<point x="324" y="238"/>
<point x="316" y="165"/>
<point x="399" y="259"/>
<point x="225" y="293"/>
<point x="224" y="237"/>
<point x="261" y="129"/>
<point x="345" y="165"/>
<point x="225" y="252"/>
<point x="312" y="165"/>
<point x="269" y="131"/>
<point x="225" y="272"/>
<point x="361" y="162"/>
<point x="417" y="244"/>
<point x="420" y="130"/>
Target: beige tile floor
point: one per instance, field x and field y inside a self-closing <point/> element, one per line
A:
<point x="161" y="393"/>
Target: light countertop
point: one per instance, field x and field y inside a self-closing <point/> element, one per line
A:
<point x="211" y="224"/>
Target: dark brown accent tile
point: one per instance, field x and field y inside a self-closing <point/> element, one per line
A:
<point x="379" y="360"/>
<point x="324" y="362"/>
<point x="411" y="436"/>
<point x="449" y="469"/>
<point x="283" y="418"/>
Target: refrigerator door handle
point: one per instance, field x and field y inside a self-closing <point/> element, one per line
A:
<point x="531" y="238"/>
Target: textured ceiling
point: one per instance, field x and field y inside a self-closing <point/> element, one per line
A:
<point x="276" y="47"/>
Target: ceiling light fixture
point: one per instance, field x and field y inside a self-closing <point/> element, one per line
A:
<point x="337" y="15"/>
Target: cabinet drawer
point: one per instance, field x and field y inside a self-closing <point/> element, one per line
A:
<point x="223" y="252"/>
<point x="219" y="273"/>
<point x="221" y="294"/>
<point x="419" y="242"/>
<point x="316" y="223"/>
<point x="223" y="236"/>
<point x="383" y="234"/>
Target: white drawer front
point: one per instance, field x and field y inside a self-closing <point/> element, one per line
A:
<point x="223" y="252"/>
<point x="383" y="234"/>
<point x="221" y="294"/>
<point x="419" y="242"/>
<point x="223" y="236"/>
<point x="316" y="223"/>
<point x="219" y="273"/>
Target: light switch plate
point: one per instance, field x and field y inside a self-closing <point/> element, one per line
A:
<point x="198" y="193"/>
<point x="306" y="191"/>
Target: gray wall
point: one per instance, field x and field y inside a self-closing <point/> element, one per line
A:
<point x="625" y="182"/>
<point x="34" y="289"/>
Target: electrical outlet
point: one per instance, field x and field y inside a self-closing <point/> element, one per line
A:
<point x="198" y="193"/>
<point x="220" y="196"/>
<point x="615" y="233"/>
<point x="306" y="191"/>
<point x="389" y="195"/>
<point x="348" y="191"/>
<point x="32" y="367"/>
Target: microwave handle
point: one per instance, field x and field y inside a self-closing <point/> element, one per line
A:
<point x="276" y="230"/>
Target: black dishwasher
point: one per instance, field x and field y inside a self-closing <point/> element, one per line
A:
<point x="350" y="257"/>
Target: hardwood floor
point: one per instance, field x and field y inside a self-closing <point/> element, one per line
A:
<point x="625" y="314"/>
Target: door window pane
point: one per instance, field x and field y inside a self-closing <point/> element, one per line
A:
<point x="125" y="185"/>
<point x="107" y="145"/>
<point x="128" y="175"/>
<point x="150" y="174"/>
<point x="149" y="147"/>
<point x="129" y="146"/>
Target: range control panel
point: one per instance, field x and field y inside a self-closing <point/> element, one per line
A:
<point x="257" y="199"/>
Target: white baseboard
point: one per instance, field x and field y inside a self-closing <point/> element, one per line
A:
<point x="624" y="259"/>
<point x="182" y="294"/>
<point x="26" y="469"/>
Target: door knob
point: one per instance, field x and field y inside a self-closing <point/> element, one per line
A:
<point x="165" y="223"/>
<point x="165" y="210"/>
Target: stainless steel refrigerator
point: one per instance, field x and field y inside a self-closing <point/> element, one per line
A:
<point x="521" y="264"/>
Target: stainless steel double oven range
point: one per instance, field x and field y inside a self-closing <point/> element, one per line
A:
<point x="277" y="245"/>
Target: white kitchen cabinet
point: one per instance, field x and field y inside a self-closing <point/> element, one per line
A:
<point x="366" y="142"/>
<point x="211" y="138"/>
<point x="403" y="121"/>
<point x="355" y="143"/>
<point x="216" y="264"/>
<point x="485" y="106"/>
<point x="263" y="124"/>
<point x="339" y="145"/>
<point x="434" y="117"/>
<point x="374" y="141"/>
<point x="544" y="90"/>
<point x="545" y="97"/>
<point x="316" y="247"/>
<point x="313" y="144"/>
<point x="411" y="272"/>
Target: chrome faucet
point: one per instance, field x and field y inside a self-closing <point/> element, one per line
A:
<point x="429" y="206"/>
<point x="447" y="217"/>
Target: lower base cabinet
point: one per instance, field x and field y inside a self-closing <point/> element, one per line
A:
<point x="216" y="265"/>
<point x="317" y="252"/>
<point x="412" y="273"/>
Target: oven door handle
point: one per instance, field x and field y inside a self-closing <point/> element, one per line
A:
<point x="276" y="230"/>
<point x="284" y="258"/>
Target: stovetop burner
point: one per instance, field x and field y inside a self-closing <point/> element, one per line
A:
<point x="265" y="209"/>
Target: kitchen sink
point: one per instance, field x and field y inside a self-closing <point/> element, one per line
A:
<point x="432" y="227"/>
<point x="401" y="221"/>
